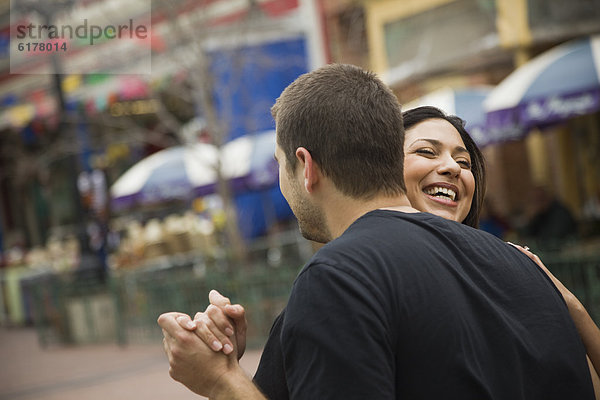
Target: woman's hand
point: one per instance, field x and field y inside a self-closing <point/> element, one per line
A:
<point x="569" y="297"/>
<point x="222" y="326"/>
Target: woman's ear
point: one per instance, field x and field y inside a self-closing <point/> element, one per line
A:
<point x="310" y="170"/>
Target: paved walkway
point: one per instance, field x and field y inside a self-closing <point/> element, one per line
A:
<point x="88" y="372"/>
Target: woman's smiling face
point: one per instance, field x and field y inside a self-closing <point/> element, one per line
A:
<point x="437" y="170"/>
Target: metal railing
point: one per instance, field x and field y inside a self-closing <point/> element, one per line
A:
<point x="124" y="307"/>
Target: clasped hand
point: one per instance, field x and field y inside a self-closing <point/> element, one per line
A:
<point x="202" y="350"/>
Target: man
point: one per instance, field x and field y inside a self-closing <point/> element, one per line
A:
<point x="399" y="304"/>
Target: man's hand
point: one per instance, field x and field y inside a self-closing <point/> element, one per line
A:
<point x="202" y="370"/>
<point x="191" y="361"/>
<point x="221" y="326"/>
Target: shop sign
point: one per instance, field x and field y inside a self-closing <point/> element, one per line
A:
<point x="560" y="108"/>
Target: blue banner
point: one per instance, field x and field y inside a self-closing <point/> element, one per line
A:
<point x="248" y="79"/>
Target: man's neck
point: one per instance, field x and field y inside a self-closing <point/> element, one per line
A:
<point x="342" y="212"/>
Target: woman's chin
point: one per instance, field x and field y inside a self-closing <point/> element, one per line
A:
<point x="446" y="214"/>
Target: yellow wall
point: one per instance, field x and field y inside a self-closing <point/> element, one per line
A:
<point x="552" y="164"/>
<point x="380" y="12"/>
<point x="567" y="170"/>
<point x="512" y="25"/>
<point x="589" y="151"/>
<point x="538" y="159"/>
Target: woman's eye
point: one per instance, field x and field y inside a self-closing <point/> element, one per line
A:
<point x="425" y="151"/>
<point x="464" y="163"/>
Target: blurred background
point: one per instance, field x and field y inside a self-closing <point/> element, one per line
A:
<point x="124" y="195"/>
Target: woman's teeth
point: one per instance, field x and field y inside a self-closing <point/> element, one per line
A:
<point x="441" y="192"/>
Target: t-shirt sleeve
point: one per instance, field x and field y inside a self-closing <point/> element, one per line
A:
<point x="335" y="338"/>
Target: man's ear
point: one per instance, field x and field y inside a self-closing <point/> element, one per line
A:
<point x="310" y="169"/>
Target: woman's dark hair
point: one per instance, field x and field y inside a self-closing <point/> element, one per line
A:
<point x="416" y="115"/>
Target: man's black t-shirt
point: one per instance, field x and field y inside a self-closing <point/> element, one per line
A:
<point x="412" y="306"/>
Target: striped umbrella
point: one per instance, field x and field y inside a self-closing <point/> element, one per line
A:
<point x="186" y="172"/>
<point x="555" y="86"/>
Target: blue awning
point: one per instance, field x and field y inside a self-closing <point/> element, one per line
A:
<point x="557" y="85"/>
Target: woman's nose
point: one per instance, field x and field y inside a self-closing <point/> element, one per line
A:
<point x="449" y="166"/>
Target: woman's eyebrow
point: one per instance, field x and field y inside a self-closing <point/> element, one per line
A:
<point x="431" y="141"/>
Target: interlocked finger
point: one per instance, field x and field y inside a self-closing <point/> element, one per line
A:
<point x="221" y="321"/>
<point x="211" y="334"/>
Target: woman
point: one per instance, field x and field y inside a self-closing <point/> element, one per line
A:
<point x="428" y="154"/>
<point x="444" y="175"/>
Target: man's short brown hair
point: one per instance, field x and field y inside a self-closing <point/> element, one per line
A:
<point x="351" y="124"/>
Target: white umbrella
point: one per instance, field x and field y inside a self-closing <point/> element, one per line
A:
<point x="185" y="172"/>
<point x="169" y="174"/>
